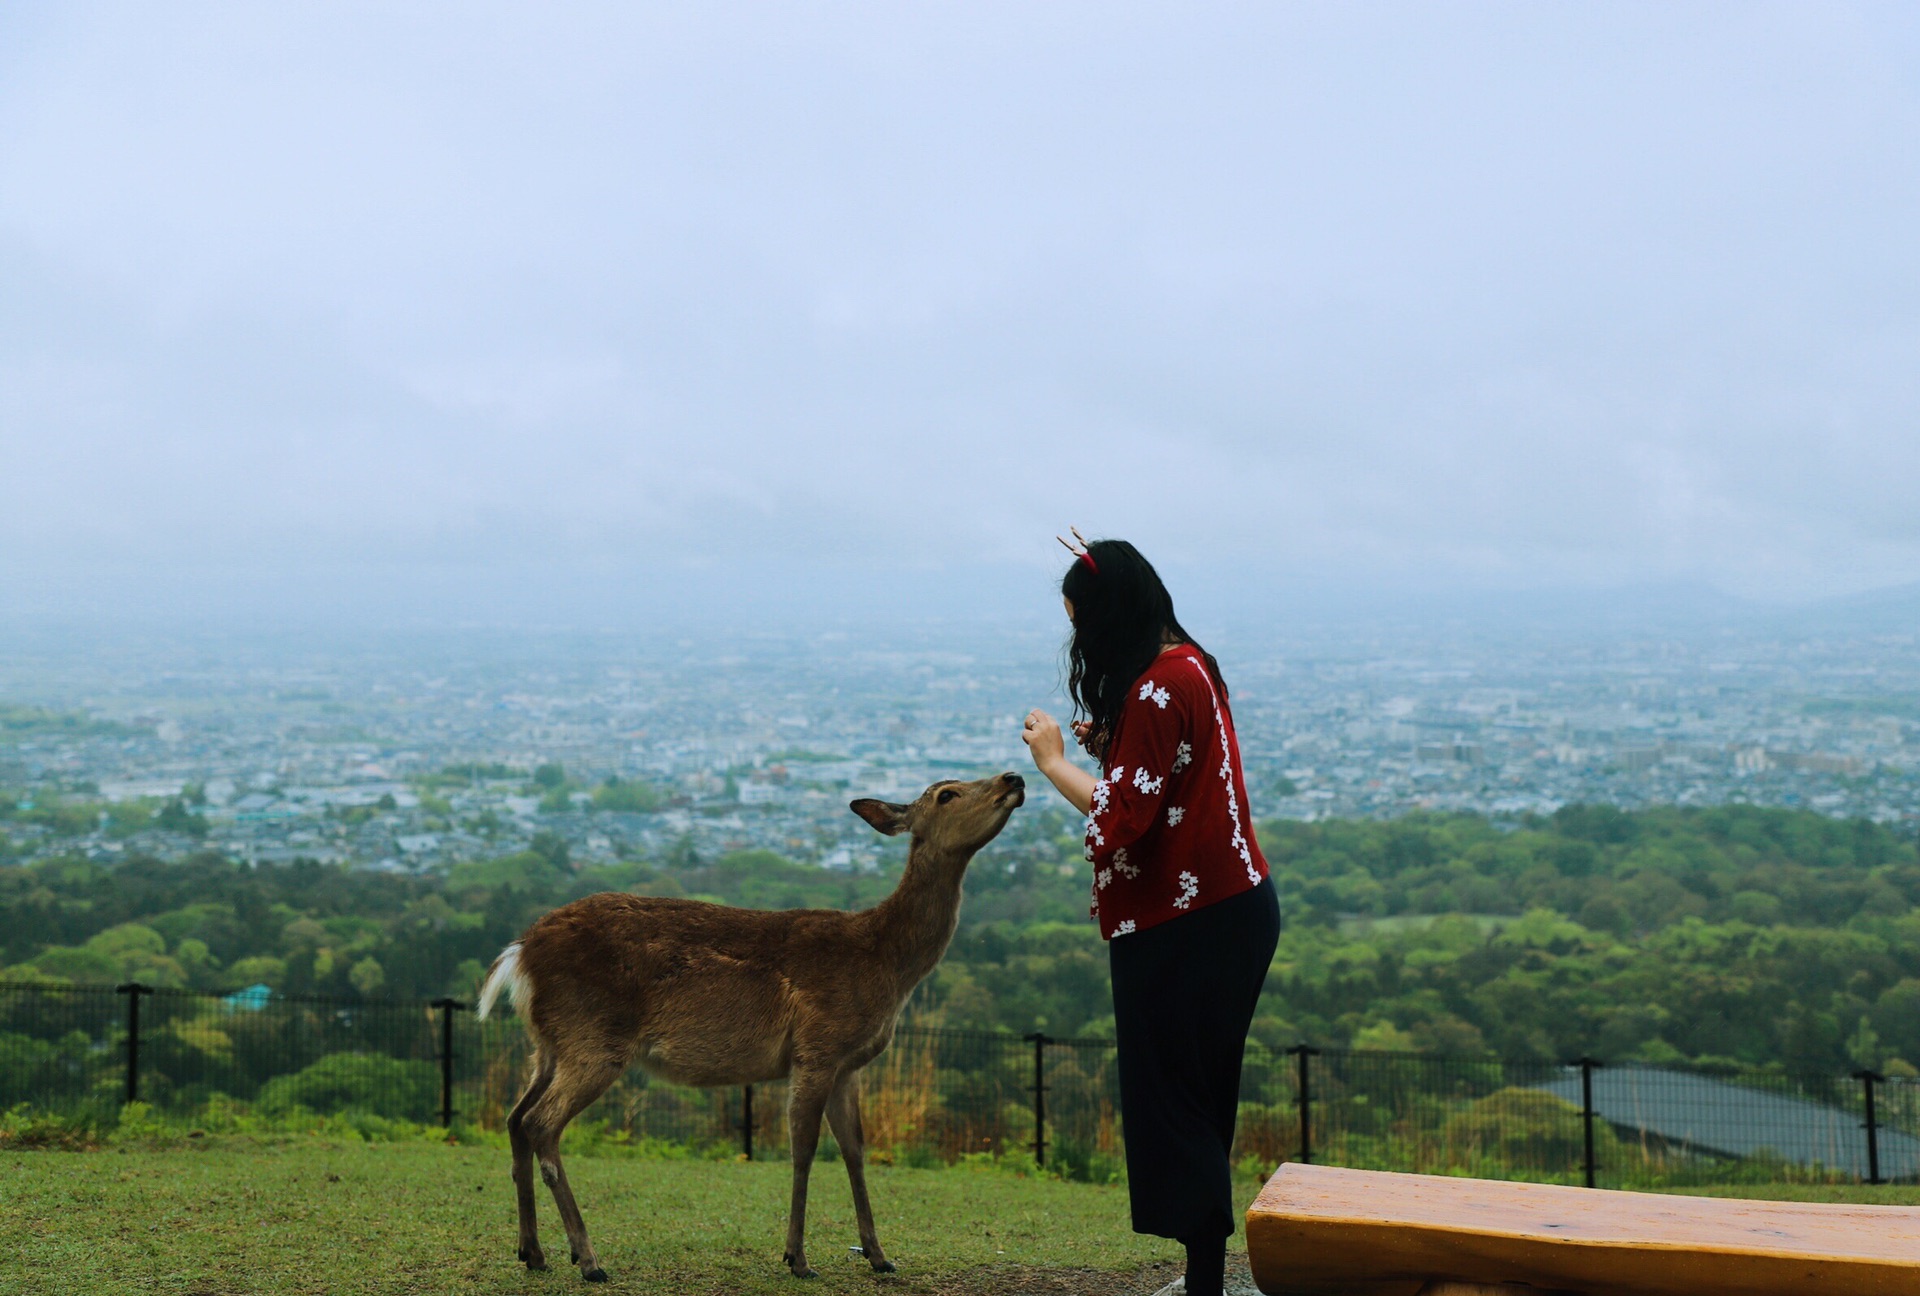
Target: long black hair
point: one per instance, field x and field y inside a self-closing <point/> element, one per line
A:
<point x="1122" y="618"/>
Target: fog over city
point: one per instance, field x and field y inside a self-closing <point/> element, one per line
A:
<point x="1521" y="400"/>
<point x="627" y="315"/>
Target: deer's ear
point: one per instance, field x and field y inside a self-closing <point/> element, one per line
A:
<point x="885" y="816"/>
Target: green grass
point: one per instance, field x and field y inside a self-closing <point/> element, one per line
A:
<point x="229" y="1215"/>
<point x="220" y="1217"/>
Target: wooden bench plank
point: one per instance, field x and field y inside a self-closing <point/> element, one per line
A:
<point x="1325" y="1231"/>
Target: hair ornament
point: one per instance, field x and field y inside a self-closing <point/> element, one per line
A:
<point x="1079" y="550"/>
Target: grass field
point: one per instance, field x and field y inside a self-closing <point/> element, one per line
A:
<point x="220" y="1217"/>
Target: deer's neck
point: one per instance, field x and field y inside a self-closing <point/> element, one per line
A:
<point x="916" y="923"/>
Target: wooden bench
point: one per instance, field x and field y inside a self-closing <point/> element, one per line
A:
<point x="1321" y="1231"/>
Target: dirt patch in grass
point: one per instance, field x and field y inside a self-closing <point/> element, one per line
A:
<point x="1019" y="1280"/>
<point x="1007" y="1280"/>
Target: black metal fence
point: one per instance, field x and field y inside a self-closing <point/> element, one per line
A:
<point x="938" y="1094"/>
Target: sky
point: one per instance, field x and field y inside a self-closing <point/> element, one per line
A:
<point x="630" y="312"/>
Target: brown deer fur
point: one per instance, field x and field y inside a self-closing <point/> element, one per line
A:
<point x="704" y="994"/>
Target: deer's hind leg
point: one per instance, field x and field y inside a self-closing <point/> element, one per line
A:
<point x="523" y="1159"/>
<point x="843" y="1117"/>
<point x="577" y="1081"/>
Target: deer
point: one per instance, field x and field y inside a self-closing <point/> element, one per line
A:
<point x="705" y="994"/>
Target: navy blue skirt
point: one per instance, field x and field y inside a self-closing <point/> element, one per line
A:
<point x="1184" y="993"/>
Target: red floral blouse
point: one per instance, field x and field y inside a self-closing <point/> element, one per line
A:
<point x="1170" y="831"/>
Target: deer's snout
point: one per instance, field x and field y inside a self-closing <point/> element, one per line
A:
<point x="1014" y="786"/>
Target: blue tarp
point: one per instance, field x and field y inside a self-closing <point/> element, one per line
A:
<point x="1701" y="1114"/>
<point x="252" y="999"/>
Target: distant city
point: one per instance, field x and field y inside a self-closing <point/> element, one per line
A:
<point x="416" y="757"/>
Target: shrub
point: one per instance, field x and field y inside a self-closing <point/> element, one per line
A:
<point x="22" y="1128"/>
<point x="363" y="1082"/>
<point x="1529" y="1129"/>
<point x="137" y="1122"/>
<point x="1082" y="1162"/>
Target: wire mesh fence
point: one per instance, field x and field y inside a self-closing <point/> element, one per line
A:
<point x="59" y="1049"/>
<point x="939" y="1094"/>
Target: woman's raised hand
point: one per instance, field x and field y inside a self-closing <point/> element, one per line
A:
<point x="1041" y="733"/>
<point x="1045" y="744"/>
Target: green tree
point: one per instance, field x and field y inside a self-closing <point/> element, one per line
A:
<point x="367" y="976"/>
<point x="629" y="796"/>
<point x="176" y="817"/>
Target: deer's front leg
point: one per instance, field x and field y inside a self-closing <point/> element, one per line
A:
<point x="806" y="1100"/>
<point x="843" y="1117"/>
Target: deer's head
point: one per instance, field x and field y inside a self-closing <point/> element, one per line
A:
<point x="950" y="815"/>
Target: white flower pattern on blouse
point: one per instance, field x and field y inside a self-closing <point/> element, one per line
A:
<point x="1102" y="794"/>
<point x="1103" y="804"/>
<point x="1189" y="888"/>
<point x="1226" y="775"/>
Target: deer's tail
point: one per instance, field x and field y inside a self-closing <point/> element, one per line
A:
<point x="504" y="975"/>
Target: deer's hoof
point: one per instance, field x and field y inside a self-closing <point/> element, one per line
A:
<point x="573" y="1257"/>
<point x="533" y="1258"/>
<point x="883" y="1266"/>
<point x="595" y="1274"/>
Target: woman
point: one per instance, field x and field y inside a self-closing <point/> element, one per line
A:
<point x="1180" y="889"/>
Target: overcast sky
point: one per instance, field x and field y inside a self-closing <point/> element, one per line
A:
<point x="644" y="302"/>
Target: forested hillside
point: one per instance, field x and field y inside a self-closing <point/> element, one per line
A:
<point x="1733" y="933"/>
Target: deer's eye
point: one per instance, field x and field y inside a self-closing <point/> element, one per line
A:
<point x="946" y="796"/>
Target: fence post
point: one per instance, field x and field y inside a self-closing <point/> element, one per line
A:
<point x="1303" y="1052"/>
<point x="1039" y="1042"/>
<point x="746" y="1121"/>
<point x="133" y="990"/>
<point x="447" y="1008"/>
<point x="1586" y="1065"/>
<point x="1867" y="1079"/>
